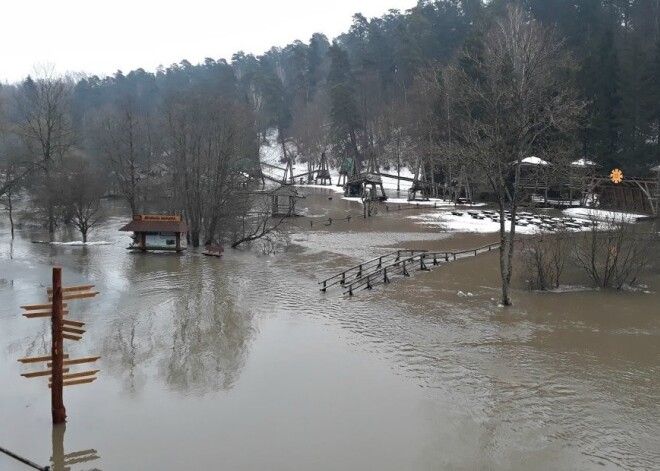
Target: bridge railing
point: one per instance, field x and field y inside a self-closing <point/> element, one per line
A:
<point x="381" y="269"/>
<point x="358" y="270"/>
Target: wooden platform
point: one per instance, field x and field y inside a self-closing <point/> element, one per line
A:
<point x="213" y="251"/>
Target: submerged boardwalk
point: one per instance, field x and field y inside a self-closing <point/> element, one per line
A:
<point x="381" y="269"/>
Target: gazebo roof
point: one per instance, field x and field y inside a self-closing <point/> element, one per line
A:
<point x="584" y="163"/>
<point x="285" y="190"/>
<point x="534" y="161"/>
<point x="155" y="226"/>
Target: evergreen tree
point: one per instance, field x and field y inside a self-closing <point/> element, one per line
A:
<point x="344" y="115"/>
<point x="606" y="100"/>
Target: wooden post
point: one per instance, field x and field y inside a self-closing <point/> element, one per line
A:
<point x="57" y="401"/>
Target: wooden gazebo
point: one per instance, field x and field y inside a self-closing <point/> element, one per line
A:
<point x="283" y="200"/>
<point x="156" y="232"/>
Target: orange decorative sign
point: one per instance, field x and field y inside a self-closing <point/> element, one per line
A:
<point x="616" y="176"/>
<point x="156" y="217"/>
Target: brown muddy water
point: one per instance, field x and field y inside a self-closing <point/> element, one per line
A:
<point x="240" y="363"/>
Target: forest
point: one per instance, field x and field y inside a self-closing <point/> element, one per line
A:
<point x="186" y="137"/>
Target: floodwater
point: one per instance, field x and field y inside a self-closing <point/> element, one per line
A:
<point x="241" y="363"/>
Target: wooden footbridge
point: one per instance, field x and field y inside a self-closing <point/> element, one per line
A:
<point x="381" y="270"/>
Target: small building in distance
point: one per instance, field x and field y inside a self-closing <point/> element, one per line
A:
<point x="156" y="232"/>
<point x="283" y="200"/>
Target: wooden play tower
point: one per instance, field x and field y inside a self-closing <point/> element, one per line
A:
<point x="421" y="189"/>
<point x="365" y="184"/>
<point x="323" y="172"/>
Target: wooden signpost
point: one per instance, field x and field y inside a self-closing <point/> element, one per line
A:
<point x="61" y="329"/>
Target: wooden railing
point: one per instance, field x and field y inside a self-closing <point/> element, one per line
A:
<point x="381" y="269"/>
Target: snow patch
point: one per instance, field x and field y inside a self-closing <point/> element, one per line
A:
<point x="603" y="215"/>
<point x="74" y="243"/>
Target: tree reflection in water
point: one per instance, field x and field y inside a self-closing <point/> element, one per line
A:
<point x="180" y="323"/>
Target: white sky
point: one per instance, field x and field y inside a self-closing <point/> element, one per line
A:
<point x="101" y="37"/>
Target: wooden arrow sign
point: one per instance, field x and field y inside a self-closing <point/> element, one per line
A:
<point x="38" y="359"/>
<point x="36" y="374"/>
<point x="72" y="330"/>
<point x="81" y="374"/>
<point x="73" y="323"/>
<point x="32" y="315"/>
<point x="77" y="361"/>
<point x="76" y="295"/>
<point x="61" y="329"/>
<point x="68" y="289"/>
<point x="36" y="307"/>
<point x="77" y="381"/>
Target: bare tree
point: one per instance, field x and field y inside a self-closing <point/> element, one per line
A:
<point x="511" y="100"/>
<point x="43" y="104"/>
<point x="612" y="253"/>
<point x="210" y="142"/>
<point x="125" y="136"/>
<point x="82" y="188"/>
<point x="544" y="258"/>
<point x="252" y="221"/>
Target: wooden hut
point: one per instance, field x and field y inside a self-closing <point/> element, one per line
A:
<point x="581" y="173"/>
<point x="156" y="232"/>
<point x="534" y="178"/>
<point x="283" y="200"/>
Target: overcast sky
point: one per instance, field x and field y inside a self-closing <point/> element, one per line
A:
<point x="102" y="37"/>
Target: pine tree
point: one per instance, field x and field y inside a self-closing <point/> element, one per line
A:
<point x="344" y="114"/>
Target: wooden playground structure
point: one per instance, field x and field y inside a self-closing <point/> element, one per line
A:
<point x="542" y="183"/>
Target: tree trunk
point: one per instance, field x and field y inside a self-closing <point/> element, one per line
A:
<point x="506" y="297"/>
<point x="194" y="237"/>
<point x="10" y="208"/>
<point x="504" y="257"/>
<point x="398" y="171"/>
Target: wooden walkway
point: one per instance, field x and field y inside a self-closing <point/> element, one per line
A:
<point x="381" y="269"/>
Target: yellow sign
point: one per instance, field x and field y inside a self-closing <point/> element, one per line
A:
<point x="156" y="217"/>
<point x="616" y="176"/>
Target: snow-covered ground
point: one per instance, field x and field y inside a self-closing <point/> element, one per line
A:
<point x="466" y="223"/>
<point x="74" y="243"/>
<point x="602" y="215"/>
<point x="272" y="154"/>
<point x="442" y="217"/>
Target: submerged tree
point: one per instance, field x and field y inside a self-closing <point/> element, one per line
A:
<point x="511" y="99"/>
<point x="613" y="252"/>
<point x="124" y="135"/>
<point x="82" y="188"/>
<point x="42" y="106"/>
<point x="212" y="145"/>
